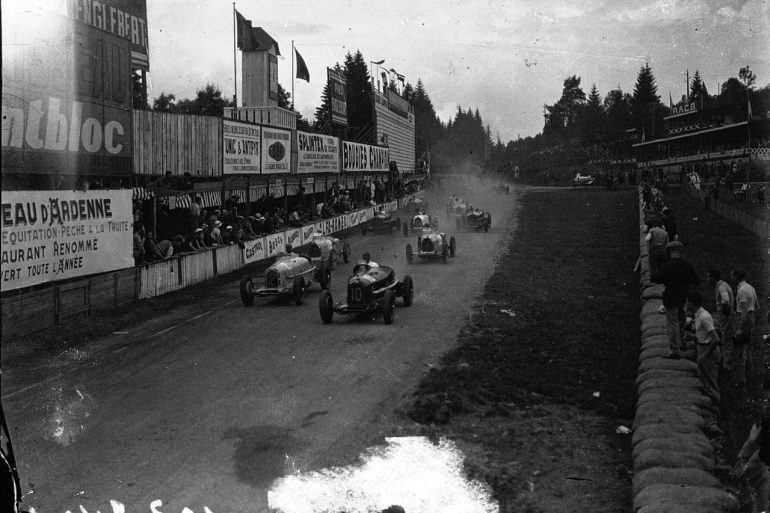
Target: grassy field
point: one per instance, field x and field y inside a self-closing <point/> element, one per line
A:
<point x="544" y="371"/>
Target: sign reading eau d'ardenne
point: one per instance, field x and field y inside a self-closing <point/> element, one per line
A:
<point x="55" y="235"/>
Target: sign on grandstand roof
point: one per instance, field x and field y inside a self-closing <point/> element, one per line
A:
<point x="681" y="110"/>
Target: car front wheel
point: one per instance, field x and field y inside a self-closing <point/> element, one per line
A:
<point x="247" y="290"/>
<point x="298" y="290"/>
<point x="326" y="306"/>
<point x="388" y="303"/>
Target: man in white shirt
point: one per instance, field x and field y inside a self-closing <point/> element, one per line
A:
<point x="746" y="304"/>
<point x="725" y="306"/>
<point x="708" y="356"/>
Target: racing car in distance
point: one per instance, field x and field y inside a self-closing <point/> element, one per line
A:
<point x="290" y="275"/>
<point x="323" y="248"/>
<point x="583" y="179"/>
<point x="371" y="289"/>
<point x="419" y="222"/>
<point x="382" y="222"/>
<point x="473" y="219"/>
<point x="432" y="244"/>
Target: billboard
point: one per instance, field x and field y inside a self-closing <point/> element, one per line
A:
<point x="364" y="157"/>
<point x="276" y="150"/>
<point x="240" y="151"/>
<point x="338" y="97"/>
<point x="66" y="97"/>
<point x="54" y="235"/>
<point x="124" y="18"/>
<point x="317" y="153"/>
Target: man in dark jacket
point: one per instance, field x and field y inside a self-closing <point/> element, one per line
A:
<point x="676" y="275"/>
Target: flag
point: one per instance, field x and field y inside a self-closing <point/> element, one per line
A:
<point x="246" y="40"/>
<point x="670" y="101"/>
<point x="748" y="118"/>
<point x="302" y="71"/>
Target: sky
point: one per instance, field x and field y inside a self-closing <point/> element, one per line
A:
<point x="506" y="58"/>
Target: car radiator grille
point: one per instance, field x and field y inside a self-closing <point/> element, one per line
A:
<point x="271" y="279"/>
<point x="357" y="295"/>
<point x="427" y="245"/>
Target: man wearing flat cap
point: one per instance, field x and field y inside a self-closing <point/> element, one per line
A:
<point x="676" y="275"/>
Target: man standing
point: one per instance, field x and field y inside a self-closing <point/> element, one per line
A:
<point x="657" y="239"/>
<point x="725" y="302"/>
<point x="708" y="355"/>
<point x="676" y="275"/>
<point x="746" y="304"/>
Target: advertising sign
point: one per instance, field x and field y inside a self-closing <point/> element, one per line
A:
<point x="338" y="97"/>
<point x="294" y="237"/>
<point x="307" y="233"/>
<point x="275" y="244"/>
<point x="276" y="151"/>
<point x="357" y="157"/>
<point x="54" y="235"/>
<point x="357" y="217"/>
<point x="124" y="18"/>
<point x="317" y="153"/>
<point x="241" y="148"/>
<point x="254" y="250"/>
<point x="66" y="98"/>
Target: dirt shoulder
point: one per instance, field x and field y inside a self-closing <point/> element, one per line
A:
<point x="544" y="369"/>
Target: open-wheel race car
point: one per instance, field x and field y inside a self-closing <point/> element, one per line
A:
<point x="473" y="219"/>
<point x="432" y="245"/>
<point x="371" y="289"/>
<point x="382" y="222"/>
<point x="419" y="222"/>
<point x="323" y="248"/>
<point x="290" y="275"/>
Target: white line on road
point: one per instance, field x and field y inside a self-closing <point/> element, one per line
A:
<point x="161" y="332"/>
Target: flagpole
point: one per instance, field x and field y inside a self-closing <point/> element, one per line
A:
<point x="235" y="53"/>
<point x="293" y="76"/>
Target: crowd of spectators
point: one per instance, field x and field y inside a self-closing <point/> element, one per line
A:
<point x="232" y="223"/>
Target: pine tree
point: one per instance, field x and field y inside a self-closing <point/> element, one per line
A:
<point x="359" y="98"/>
<point x="645" y="102"/>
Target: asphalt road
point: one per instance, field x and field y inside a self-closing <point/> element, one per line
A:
<point x="207" y="404"/>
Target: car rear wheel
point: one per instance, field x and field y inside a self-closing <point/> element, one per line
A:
<point x="407" y="288"/>
<point x="247" y="290"/>
<point x="332" y="260"/>
<point x="326" y="306"/>
<point x="346" y="252"/>
<point x="409" y="254"/>
<point x="298" y="290"/>
<point x="324" y="276"/>
<point x="388" y="303"/>
<point x="452" y="246"/>
<point x="444" y="254"/>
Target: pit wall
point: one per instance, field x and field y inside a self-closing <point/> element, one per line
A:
<point x="742" y="218"/>
<point x="673" y="458"/>
<point x="34" y="310"/>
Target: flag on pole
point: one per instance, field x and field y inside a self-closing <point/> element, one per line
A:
<point x="670" y="101"/>
<point x="246" y="40"/>
<point x="748" y="118"/>
<point x="302" y="71"/>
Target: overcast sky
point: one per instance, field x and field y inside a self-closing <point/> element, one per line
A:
<point x="506" y="58"/>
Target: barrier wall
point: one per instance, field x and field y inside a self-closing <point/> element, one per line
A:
<point x="745" y="220"/>
<point x="37" y="310"/>
<point x="673" y="458"/>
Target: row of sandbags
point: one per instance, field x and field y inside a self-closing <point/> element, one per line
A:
<point x="673" y="458"/>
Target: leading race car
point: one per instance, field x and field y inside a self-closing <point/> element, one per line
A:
<point x="473" y="219"/>
<point x="420" y="221"/>
<point x="371" y="288"/>
<point x="290" y="275"/>
<point x="432" y="244"/>
<point x="583" y="179"/>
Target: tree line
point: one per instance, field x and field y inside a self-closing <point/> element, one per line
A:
<point x="578" y="128"/>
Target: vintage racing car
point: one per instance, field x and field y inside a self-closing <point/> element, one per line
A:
<point x="430" y="245"/>
<point x="473" y="219"/>
<point x="420" y="221"/>
<point x="370" y="289"/>
<point x="382" y="222"/>
<point x="290" y="275"/>
<point x="323" y="248"/>
<point x="583" y="179"/>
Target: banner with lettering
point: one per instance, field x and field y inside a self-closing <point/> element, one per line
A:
<point x="357" y="217"/>
<point x="276" y="151"/>
<point x="359" y="157"/>
<point x="338" y="103"/>
<point x="293" y="237"/>
<point x="276" y="244"/>
<point x="240" y="153"/>
<point x="55" y="235"/>
<point x="317" y="153"/>
<point x="254" y="250"/>
<point x="307" y="233"/>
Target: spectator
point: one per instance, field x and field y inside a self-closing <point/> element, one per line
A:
<point x="195" y="214"/>
<point x="216" y="233"/>
<point x="138" y="244"/>
<point x="162" y="250"/>
<point x="248" y="230"/>
<point x="708" y="356"/>
<point x="657" y="239"/>
<point x="746" y="304"/>
<point x="676" y="275"/>
<point x="752" y="463"/>
<point x="294" y="219"/>
<point x="195" y="240"/>
<point x="207" y="240"/>
<point x="669" y="222"/>
<point x="724" y="301"/>
<point x="228" y="237"/>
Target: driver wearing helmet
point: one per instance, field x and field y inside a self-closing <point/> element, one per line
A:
<point x="368" y="260"/>
<point x="290" y="251"/>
